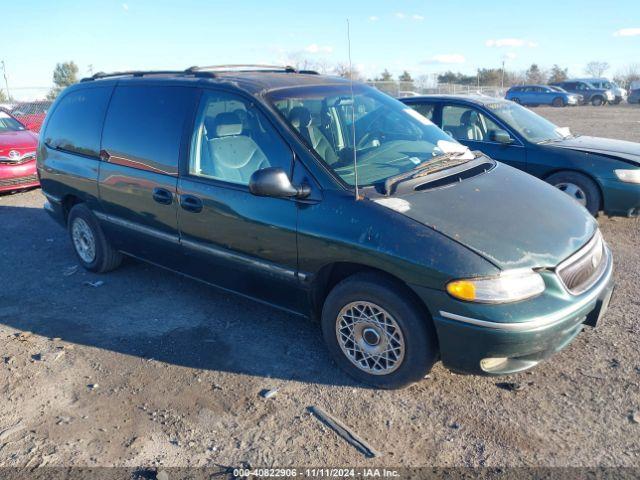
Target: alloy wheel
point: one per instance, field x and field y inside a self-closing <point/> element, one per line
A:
<point x="83" y="240"/>
<point x="574" y="191"/>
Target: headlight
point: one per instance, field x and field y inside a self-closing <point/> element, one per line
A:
<point x="509" y="286"/>
<point x="628" y="176"/>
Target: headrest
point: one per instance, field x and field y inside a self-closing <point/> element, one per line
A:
<point x="300" y="117"/>
<point x="228" y="124"/>
<point x="469" y="118"/>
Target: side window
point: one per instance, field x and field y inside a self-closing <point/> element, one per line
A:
<point x="144" y="126"/>
<point x="76" y="122"/>
<point x="425" y="109"/>
<point x="466" y="123"/>
<point x="233" y="139"/>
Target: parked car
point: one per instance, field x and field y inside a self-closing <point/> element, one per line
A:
<point x="17" y="154"/>
<point x="590" y="94"/>
<point x="247" y="180"/>
<point x="634" y="96"/>
<point x="599" y="173"/>
<point x="606" y="84"/>
<point x="535" y="95"/>
<point x="31" y="114"/>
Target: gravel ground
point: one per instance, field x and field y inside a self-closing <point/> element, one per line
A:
<point x="153" y="369"/>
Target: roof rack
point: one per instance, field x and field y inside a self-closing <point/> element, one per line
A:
<point x="207" y="71"/>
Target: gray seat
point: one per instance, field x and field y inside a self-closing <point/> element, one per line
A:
<point x="232" y="157"/>
<point x="301" y="119"/>
<point x="470" y="126"/>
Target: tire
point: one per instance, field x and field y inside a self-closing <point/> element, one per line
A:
<point x="587" y="189"/>
<point x="597" y="101"/>
<point x="407" y="325"/>
<point x="617" y="101"/>
<point x="558" y="102"/>
<point x="87" y="237"/>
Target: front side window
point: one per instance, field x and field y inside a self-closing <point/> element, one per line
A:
<point x="467" y="123"/>
<point x="390" y="137"/>
<point x="9" y="124"/>
<point x="233" y="139"/>
<point x="144" y="126"/>
<point x="76" y="122"/>
<point x="424" y="109"/>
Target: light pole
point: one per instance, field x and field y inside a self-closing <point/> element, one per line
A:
<point x="6" y="83"/>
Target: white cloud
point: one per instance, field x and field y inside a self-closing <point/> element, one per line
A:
<point x="125" y="7"/>
<point x="627" y="32"/>
<point x="314" y="48"/>
<point x="445" y="59"/>
<point x="401" y="15"/>
<point x="417" y="17"/>
<point x="510" y="42"/>
<point x="373" y="18"/>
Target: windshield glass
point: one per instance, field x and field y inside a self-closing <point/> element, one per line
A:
<point x="531" y="126"/>
<point x="9" y="124"/>
<point x="390" y="137"/>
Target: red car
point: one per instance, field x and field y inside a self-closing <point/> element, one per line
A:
<point x="31" y="114"/>
<point x="17" y="154"/>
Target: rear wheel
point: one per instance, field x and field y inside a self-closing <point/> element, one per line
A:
<point x="597" y="101"/>
<point x="579" y="187"/>
<point x="377" y="333"/>
<point x="92" y="248"/>
<point x="558" y="102"/>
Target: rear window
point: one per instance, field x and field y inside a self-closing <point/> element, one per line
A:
<point x="76" y="122"/>
<point x="144" y="125"/>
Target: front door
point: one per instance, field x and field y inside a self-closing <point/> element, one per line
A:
<point x="230" y="237"/>
<point x="141" y="144"/>
<point x="476" y="130"/>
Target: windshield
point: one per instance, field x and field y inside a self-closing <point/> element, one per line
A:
<point x="390" y="137"/>
<point x="9" y="124"/>
<point x="531" y="126"/>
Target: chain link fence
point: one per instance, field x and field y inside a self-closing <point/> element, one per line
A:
<point x="410" y="89"/>
<point x="28" y="105"/>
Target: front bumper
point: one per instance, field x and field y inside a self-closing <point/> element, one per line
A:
<point x="620" y="198"/>
<point x="18" y="176"/>
<point x="515" y="336"/>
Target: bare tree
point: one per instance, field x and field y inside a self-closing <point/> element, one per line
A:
<point x="343" y="70"/>
<point x="628" y="74"/>
<point x="596" y="69"/>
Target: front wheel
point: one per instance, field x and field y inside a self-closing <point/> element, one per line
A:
<point x="579" y="187"/>
<point x="558" y="102"/>
<point x="377" y="333"/>
<point x="597" y="101"/>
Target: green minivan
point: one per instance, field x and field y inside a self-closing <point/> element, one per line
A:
<point x="330" y="200"/>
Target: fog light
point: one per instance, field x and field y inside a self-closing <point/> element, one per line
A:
<point x="488" y="364"/>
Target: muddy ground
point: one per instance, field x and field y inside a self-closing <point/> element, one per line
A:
<point x="151" y="369"/>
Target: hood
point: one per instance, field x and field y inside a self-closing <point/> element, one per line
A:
<point x="628" y="151"/>
<point x="22" y="141"/>
<point x="509" y="217"/>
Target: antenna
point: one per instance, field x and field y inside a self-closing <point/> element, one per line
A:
<point x="353" y="114"/>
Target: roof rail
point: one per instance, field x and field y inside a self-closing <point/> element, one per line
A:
<point x="136" y="73"/>
<point x="242" y="67"/>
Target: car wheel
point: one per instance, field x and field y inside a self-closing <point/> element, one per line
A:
<point x="377" y="333"/>
<point x="597" y="101"/>
<point x="92" y="248"/>
<point x="558" y="102"/>
<point x="617" y="101"/>
<point x="580" y="187"/>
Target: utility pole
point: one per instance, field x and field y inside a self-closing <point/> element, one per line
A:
<point x="6" y="83"/>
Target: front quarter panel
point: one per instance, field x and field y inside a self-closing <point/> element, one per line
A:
<point x="341" y="229"/>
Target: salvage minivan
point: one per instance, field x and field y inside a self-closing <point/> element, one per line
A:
<point x="330" y="200"/>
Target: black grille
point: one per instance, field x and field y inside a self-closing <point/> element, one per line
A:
<point x="7" y="182"/>
<point x="580" y="271"/>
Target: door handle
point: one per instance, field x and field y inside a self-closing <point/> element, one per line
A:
<point x="163" y="196"/>
<point x="191" y="203"/>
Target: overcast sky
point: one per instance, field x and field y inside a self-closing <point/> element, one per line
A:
<point x="424" y="37"/>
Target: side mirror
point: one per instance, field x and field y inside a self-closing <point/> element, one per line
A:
<point x="501" y="136"/>
<point x="274" y="182"/>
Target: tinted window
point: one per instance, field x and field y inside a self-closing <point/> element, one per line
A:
<point x="424" y="109"/>
<point x="233" y="139"/>
<point x="465" y="123"/>
<point x="76" y="122"/>
<point x="144" y="125"/>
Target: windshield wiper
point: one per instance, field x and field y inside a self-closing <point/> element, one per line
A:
<point x="435" y="164"/>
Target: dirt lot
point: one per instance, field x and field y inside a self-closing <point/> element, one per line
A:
<point x="153" y="369"/>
